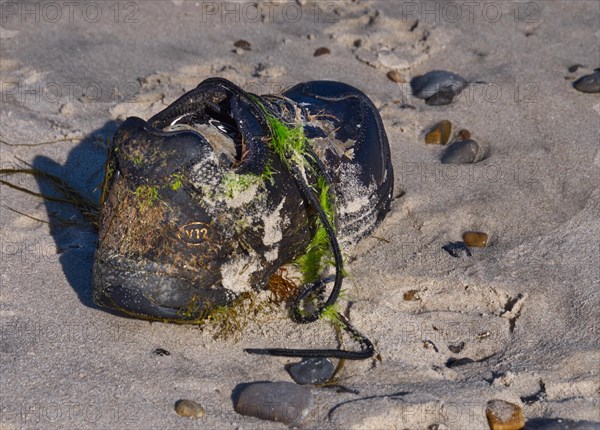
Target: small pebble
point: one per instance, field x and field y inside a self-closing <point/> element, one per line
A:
<point x="312" y="371"/>
<point x="161" y="352"/>
<point x="439" y="133"/>
<point x="243" y="44"/>
<point x="396" y="76"/>
<point x="321" y="51"/>
<point x="574" y="67"/>
<point x="437" y="87"/>
<point x="461" y="152"/>
<point x="588" y="83"/>
<point x="457" y="348"/>
<point x="502" y="415"/>
<point x="411" y="296"/>
<point x="464" y="134"/>
<point x="189" y="408"/>
<point x="284" y="402"/>
<point x="456" y="249"/>
<point x="476" y="239"/>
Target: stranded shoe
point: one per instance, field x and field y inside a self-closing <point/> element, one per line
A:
<point x="210" y="197"/>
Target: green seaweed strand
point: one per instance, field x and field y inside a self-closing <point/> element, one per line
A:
<point x="290" y="143"/>
<point x="311" y="262"/>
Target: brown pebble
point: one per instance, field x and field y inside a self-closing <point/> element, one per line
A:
<point x="243" y="44"/>
<point x="439" y="134"/>
<point x="396" y="76"/>
<point x="502" y="415"/>
<point x="189" y="408"/>
<point x="464" y="134"/>
<point x="321" y="51"/>
<point x="411" y="296"/>
<point x="476" y="239"/>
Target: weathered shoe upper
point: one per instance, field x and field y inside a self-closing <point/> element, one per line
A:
<point x="199" y="208"/>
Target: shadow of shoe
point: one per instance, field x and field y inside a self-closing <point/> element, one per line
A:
<point x="74" y="235"/>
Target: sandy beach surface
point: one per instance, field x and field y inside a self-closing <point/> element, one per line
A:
<point x="524" y="309"/>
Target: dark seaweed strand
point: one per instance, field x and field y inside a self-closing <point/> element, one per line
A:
<point x="367" y="348"/>
<point x="337" y="254"/>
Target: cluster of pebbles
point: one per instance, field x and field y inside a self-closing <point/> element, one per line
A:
<point x="281" y="401"/>
<point x="294" y="401"/>
<point x="437" y="88"/>
<point x="464" y="149"/>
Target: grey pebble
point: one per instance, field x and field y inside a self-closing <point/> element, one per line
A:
<point x="312" y="371"/>
<point x="284" y="402"/>
<point x="461" y="152"/>
<point x="189" y="408"/>
<point x="437" y="87"/>
<point x="588" y="83"/>
<point x="456" y="249"/>
<point x="457" y="348"/>
<point x="443" y="97"/>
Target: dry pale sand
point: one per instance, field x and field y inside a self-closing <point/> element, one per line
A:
<point x="526" y="307"/>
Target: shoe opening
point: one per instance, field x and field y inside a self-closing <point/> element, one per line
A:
<point x="220" y="130"/>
